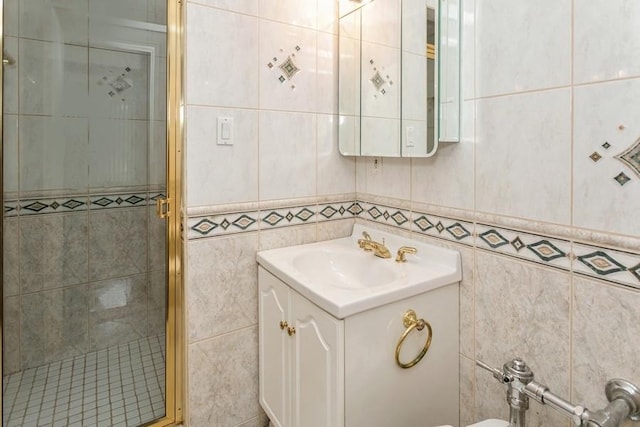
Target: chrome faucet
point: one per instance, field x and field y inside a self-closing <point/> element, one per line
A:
<point x="623" y="396"/>
<point x="369" y="245"/>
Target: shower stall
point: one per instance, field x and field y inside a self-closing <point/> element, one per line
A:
<point x="84" y="252"/>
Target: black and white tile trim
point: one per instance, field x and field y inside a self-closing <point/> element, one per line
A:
<point x="41" y="206"/>
<point x="240" y="222"/>
<point x="615" y="266"/>
<point x="442" y="227"/>
<point x="531" y="247"/>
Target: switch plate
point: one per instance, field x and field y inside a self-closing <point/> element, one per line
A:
<point x="411" y="136"/>
<point x="225" y="131"/>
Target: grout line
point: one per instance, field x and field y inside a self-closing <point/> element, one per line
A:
<point x="69" y="378"/>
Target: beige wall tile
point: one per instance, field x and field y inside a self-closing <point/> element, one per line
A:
<point x="522" y="311"/>
<point x="53" y="251"/>
<point x="222" y="280"/>
<point x="223" y="380"/>
<point x="117" y="243"/>
<point x="606" y="336"/>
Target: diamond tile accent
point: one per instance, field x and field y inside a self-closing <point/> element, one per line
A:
<point x="439" y="227"/>
<point x="273" y="218"/>
<point x="635" y="270"/>
<point x="289" y="216"/>
<point x="494" y="239"/>
<point x="304" y="215"/>
<point x="546" y="251"/>
<point x="399" y="218"/>
<point x="622" y="178"/>
<point x="458" y="231"/>
<point x="289" y="68"/>
<point x="35" y="207"/>
<point x="517" y="244"/>
<point x="377" y="81"/>
<point x="204" y="226"/>
<point x="134" y="200"/>
<point x="329" y="211"/>
<point x="606" y="145"/>
<point x="631" y="157"/>
<point x="8" y="210"/>
<point x="103" y="201"/>
<point x="342" y="210"/>
<point x="120" y="84"/>
<point x="225" y="223"/>
<point x="423" y="223"/>
<point x="72" y="204"/>
<point x="601" y="263"/>
<point x="595" y="156"/>
<point x="355" y="209"/>
<point x="386" y="215"/>
<point x="374" y="212"/>
<point x="244" y="222"/>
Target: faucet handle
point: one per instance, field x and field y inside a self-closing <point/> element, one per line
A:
<point x="364" y="242"/>
<point x="401" y="256"/>
<point x="497" y="373"/>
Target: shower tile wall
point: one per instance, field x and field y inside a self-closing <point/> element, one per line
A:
<point x="542" y="92"/>
<point x="84" y="158"/>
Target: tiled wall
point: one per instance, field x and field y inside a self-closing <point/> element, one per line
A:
<point x="84" y="156"/>
<point x="536" y="199"/>
<point x="548" y="235"/>
<point x="283" y="181"/>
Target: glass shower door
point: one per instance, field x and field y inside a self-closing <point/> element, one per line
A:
<point x="84" y="160"/>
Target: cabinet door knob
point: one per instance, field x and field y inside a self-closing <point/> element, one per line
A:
<point x="291" y="331"/>
<point x="283" y="324"/>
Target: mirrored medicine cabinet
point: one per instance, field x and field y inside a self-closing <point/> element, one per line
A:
<point x="399" y="76"/>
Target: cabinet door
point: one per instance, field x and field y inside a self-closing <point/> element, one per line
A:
<point x="274" y="348"/>
<point x="317" y="366"/>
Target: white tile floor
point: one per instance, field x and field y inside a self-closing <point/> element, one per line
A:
<point x="117" y="386"/>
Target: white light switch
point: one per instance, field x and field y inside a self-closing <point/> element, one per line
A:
<point x="411" y="136"/>
<point x="225" y="131"/>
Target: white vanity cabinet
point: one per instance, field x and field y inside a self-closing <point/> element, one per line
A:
<point x="301" y="361"/>
<point x="338" y="326"/>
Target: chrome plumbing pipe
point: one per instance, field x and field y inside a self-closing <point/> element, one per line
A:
<point x="624" y="398"/>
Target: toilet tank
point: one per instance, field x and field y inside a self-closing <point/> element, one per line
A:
<point x="378" y="391"/>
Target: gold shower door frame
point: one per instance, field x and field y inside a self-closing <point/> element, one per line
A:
<point x="174" y="358"/>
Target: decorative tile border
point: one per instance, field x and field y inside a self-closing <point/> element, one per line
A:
<point x="386" y="215"/>
<point x="593" y="261"/>
<point x="607" y="264"/>
<point x="48" y="205"/>
<point x="338" y="210"/>
<point x="441" y="227"/>
<point x="239" y="222"/>
<point x="284" y="217"/>
<point x="544" y="250"/>
<point x="217" y="225"/>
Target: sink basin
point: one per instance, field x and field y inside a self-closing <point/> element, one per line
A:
<point x="344" y="280"/>
<point x="344" y="268"/>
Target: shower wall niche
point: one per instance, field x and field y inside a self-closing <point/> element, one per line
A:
<point x="84" y="162"/>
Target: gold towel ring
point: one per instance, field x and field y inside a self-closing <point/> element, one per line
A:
<point x="411" y="322"/>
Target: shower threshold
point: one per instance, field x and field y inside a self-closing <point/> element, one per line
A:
<point x="123" y="385"/>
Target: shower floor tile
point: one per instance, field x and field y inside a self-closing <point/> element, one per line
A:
<point x="118" y="386"/>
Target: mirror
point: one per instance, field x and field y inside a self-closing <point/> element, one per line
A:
<point x="398" y="76"/>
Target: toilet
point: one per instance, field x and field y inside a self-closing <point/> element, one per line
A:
<point x="488" y="423"/>
<point x="491" y="423"/>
